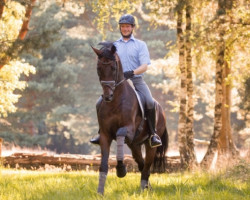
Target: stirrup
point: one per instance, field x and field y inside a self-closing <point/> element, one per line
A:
<point x="155" y="145"/>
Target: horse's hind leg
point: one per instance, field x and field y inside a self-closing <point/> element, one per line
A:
<point x="149" y="159"/>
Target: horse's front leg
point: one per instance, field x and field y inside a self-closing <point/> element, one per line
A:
<point x="103" y="171"/>
<point x="121" y="170"/>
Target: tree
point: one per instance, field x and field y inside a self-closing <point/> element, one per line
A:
<point x="53" y="105"/>
<point x="226" y="143"/>
<point x="190" y="104"/>
<point x="9" y="77"/>
<point x="182" y="139"/>
<point x="224" y="51"/>
<point x="14" y="46"/>
<point x="222" y="96"/>
<point x="185" y="125"/>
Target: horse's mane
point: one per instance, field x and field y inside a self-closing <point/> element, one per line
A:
<point x="108" y="50"/>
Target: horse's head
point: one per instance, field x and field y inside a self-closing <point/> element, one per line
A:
<point x="108" y="69"/>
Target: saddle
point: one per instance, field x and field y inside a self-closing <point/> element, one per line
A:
<point x="142" y="108"/>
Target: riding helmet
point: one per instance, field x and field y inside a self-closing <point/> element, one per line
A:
<point x="127" y="19"/>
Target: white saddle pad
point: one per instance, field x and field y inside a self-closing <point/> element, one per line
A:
<point x="138" y="98"/>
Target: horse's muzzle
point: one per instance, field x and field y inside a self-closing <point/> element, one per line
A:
<point x="108" y="90"/>
<point x="108" y="98"/>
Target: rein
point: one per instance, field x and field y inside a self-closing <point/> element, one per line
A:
<point x="112" y="84"/>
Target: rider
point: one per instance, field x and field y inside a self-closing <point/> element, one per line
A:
<point x="135" y="59"/>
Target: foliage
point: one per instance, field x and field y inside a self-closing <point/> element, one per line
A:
<point x="59" y="101"/>
<point x="9" y="82"/>
<point x="10" y="24"/>
<point x="10" y="54"/>
<point x="60" y="98"/>
<point x="107" y="10"/>
<point x="23" y="140"/>
<point x="204" y="42"/>
<point x="20" y="184"/>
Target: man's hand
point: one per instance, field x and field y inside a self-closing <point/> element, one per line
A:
<point x="129" y="74"/>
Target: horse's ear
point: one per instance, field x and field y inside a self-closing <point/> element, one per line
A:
<point x="113" y="49"/>
<point x="97" y="51"/>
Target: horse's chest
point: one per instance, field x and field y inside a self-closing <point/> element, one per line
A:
<point x="114" y="118"/>
<point x="109" y="116"/>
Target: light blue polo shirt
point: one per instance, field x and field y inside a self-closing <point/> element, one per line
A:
<point x="133" y="53"/>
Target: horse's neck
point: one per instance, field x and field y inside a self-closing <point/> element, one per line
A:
<point x="121" y="91"/>
<point x="125" y="93"/>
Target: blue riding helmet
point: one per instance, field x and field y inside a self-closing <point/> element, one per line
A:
<point x="127" y="19"/>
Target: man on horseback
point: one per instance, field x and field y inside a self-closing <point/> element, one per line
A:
<point x="135" y="59"/>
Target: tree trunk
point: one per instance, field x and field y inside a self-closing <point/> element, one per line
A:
<point x="1" y="142"/>
<point x="41" y="160"/>
<point x="23" y="31"/>
<point x="226" y="144"/>
<point x="2" y="4"/>
<point x="213" y="147"/>
<point x="190" y="105"/>
<point x="226" y="148"/>
<point x="183" y="93"/>
<point x="223" y="139"/>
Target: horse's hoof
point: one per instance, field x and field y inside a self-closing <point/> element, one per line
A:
<point x="100" y="193"/>
<point x="145" y="185"/>
<point x="121" y="170"/>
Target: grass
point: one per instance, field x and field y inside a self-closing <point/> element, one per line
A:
<point x="233" y="184"/>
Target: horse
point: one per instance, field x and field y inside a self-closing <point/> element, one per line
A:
<point x="120" y="118"/>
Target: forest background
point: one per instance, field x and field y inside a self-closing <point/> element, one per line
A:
<point x="48" y="80"/>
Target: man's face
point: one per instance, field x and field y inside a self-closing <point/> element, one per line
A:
<point x="126" y="30"/>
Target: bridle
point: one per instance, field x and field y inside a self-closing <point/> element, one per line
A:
<point x="114" y="83"/>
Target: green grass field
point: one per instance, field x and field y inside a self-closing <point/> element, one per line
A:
<point x="232" y="184"/>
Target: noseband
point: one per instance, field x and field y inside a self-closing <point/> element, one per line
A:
<point x="111" y="84"/>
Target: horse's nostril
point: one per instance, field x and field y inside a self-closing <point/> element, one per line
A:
<point x="108" y="98"/>
<point x="111" y="98"/>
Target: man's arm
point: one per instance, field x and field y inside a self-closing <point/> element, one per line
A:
<point x="141" y="69"/>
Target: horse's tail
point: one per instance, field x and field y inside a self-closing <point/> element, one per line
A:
<point x="159" y="164"/>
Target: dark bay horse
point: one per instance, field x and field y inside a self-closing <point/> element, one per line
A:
<point x="120" y="118"/>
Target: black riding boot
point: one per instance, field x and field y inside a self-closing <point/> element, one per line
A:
<point x="97" y="139"/>
<point x="154" y="139"/>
